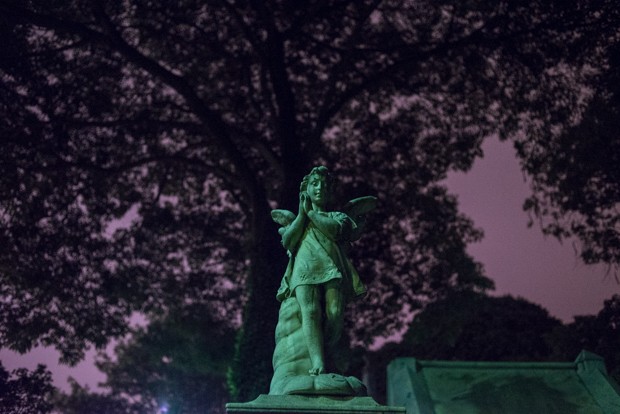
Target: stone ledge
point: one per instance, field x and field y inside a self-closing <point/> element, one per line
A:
<point x="301" y="404"/>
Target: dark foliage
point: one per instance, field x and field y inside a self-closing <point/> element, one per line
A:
<point x="598" y="333"/>
<point x="575" y="174"/>
<point x="193" y="119"/>
<point x="82" y="401"/>
<point x="472" y="327"/>
<point x="23" y="391"/>
<point x="179" y="362"/>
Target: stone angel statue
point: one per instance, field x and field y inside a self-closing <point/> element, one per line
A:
<point x="317" y="284"/>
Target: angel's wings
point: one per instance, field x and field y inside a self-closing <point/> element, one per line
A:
<point x="357" y="210"/>
<point x="359" y="207"/>
<point x="283" y="218"/>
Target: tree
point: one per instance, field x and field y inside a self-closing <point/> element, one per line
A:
<point x="24" y="391"/>
<point x="596" y="333"/>
<point x="197" y="118"/>
<point x="574" y="174"/>
<point x="472" y="327"/>
<point x="82" y="401"/>
<point x="180" y="362"/>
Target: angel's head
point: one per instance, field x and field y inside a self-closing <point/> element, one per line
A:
<point x="318" y="185"/>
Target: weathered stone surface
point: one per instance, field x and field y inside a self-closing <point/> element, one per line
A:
<point x="291" y="362"/>
<point x="319" y="276"/>
<point x="265" y="404"/>
<point x="453" y="387"/>
<point x="290" y="356"/>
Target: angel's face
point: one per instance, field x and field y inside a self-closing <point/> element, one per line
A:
<point x="317" y="190"/>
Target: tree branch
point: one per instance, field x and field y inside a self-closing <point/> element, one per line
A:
<point x="292" y="156"/>
<point x="114" y="41"/>
<point x="414" y="54"/>
<point x="325" y="114"/>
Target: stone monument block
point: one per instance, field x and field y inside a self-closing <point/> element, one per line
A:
<point x="454" y="387"/>
<point x="301" y="404"/>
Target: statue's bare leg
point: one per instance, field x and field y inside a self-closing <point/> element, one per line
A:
<point x="308" y="297"/>
<point x="334" y="312"/>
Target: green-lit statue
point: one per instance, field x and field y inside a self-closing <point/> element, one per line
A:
<point x="318" y="282"/>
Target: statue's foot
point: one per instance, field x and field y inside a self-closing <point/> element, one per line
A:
<point x="316" y="371"/>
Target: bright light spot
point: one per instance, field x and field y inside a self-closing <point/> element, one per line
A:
<point x="163" y="409"/>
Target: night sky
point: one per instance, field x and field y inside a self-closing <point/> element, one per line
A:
<point x="520" y="260"/>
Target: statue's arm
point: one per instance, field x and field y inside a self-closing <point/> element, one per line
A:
<point x="328" y="226"/>
<point x="293" y="233"/>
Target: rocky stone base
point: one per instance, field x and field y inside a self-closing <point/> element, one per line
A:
<point x="302" y="404"/>
<point x="324" y="384"/>
<point x="291" y="362"/>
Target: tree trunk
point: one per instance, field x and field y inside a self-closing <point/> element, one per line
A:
<point x="251" y="369"/>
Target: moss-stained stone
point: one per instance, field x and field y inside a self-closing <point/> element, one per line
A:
<point x="443" y="387"/>
<point x="291" y="362"/>
<point x="267" y="404"/>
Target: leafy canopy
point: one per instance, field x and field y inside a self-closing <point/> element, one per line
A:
<point x="575" y="174"/>
<point x="188" y="121"/>
<point x="24" y="391"/>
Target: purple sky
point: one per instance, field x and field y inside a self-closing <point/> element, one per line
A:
<point x="521" y="261"/>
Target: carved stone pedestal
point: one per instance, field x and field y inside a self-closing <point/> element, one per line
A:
<point x="301" y="404"/>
